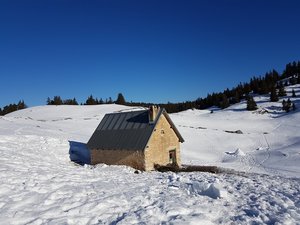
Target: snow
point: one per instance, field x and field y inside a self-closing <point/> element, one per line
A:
<point x="236" y="153"/>
<point x="40" y="185"/>
<point x="269" y="141"/>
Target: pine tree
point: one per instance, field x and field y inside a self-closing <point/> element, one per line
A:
<point x="287" y="71"/>
<point x="101" y="101"/>
<point x="279" y="84"/>
<point x="74" y="102"/>
<point x="251" y="104"/>
<point x="293" y="80"/>
<point x="120" y="99"/>
<point x="246" y="88"/>
<point x="298" y="79"/>
<point x="49" y="101"/>
<point x="224" y="103"/>
<point x="286" y="105"/>
<point x="237" y="97"/>
<point x="273" y="95"/>
<point x="21" y="105"/>
<point x="289" y="105"/>
<point x="57" y="100"/>
<point x="110" y="101"/>
<point x="283" y="104"/>
<point x="70" y="102"/>
<point x="281" y="91"/>
<point x="90" y="101"/>
<point x="293" y="93"/>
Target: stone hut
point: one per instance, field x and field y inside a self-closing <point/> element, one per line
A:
<point x="139" y="139"/>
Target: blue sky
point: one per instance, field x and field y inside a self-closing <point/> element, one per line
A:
<point x="152" y="51"/>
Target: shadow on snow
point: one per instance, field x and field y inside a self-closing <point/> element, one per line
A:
<point x="79" y="153"/>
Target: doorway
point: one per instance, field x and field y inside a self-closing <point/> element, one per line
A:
<point x="172" y="157"/>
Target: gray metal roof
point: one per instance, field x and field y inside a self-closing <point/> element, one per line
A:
<point x="126" y="131"/>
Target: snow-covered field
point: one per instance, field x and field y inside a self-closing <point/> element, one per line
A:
<point x="269" y="143"/>
<point x="39" y="184"/>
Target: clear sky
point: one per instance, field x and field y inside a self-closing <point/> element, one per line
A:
<point x="149" y="50"/>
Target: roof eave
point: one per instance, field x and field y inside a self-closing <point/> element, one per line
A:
<point x="173" y="126"/>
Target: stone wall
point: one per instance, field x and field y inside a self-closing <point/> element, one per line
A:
<point x="131" y="158"/>
<point x="163" y="140"/>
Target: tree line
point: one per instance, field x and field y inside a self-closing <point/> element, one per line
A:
<point x="271" y="83"/>
<point x="57" y="100"/>
<point x="12" y="107"/>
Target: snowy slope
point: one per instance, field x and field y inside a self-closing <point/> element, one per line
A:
<point x="39" y="184"/>
<point x="270" y="142"/>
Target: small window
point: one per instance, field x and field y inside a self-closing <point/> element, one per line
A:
<point x="162" y="132"/>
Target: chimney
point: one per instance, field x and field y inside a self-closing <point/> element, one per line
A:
<point x="153" y="111"/>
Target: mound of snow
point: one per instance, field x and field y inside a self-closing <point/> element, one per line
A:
<point x="213" y="190"/>
<point x="236" y="153"/>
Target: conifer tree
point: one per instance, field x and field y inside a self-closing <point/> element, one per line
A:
<point x="293" y="93"/>
<point x="70" y="102"/>
<point x="246" y="88"/>
<point x="90" y="101"/>
<point x="110" y="101"/>
<point x="48" y="101"/>
<point x="57" y="100"/>
<point x="273" y="95"/>
<point x="21" y="105"/>
<point x="120" y="99"/>
<point x="237" y="97"/>
<point x="283" y="104"/>
<point x="293" y="80"/>
<point x="74" y="102"/>
<point x="251" y="104"/>
<point x="101" y="101"/>
<point x="286" y="105"/>
<point x="289" y="105"/>
<point x="281" y="91"/>
<point x="224" y="103"/>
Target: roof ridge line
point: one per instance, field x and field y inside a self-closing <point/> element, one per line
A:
<point x="118" y="112"/>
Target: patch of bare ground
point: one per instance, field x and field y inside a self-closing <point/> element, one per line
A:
<point x="187" y="168"/>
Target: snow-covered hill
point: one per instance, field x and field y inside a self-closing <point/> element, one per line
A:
<point x="269" y="143"/>
<point x="39" y="184"/>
